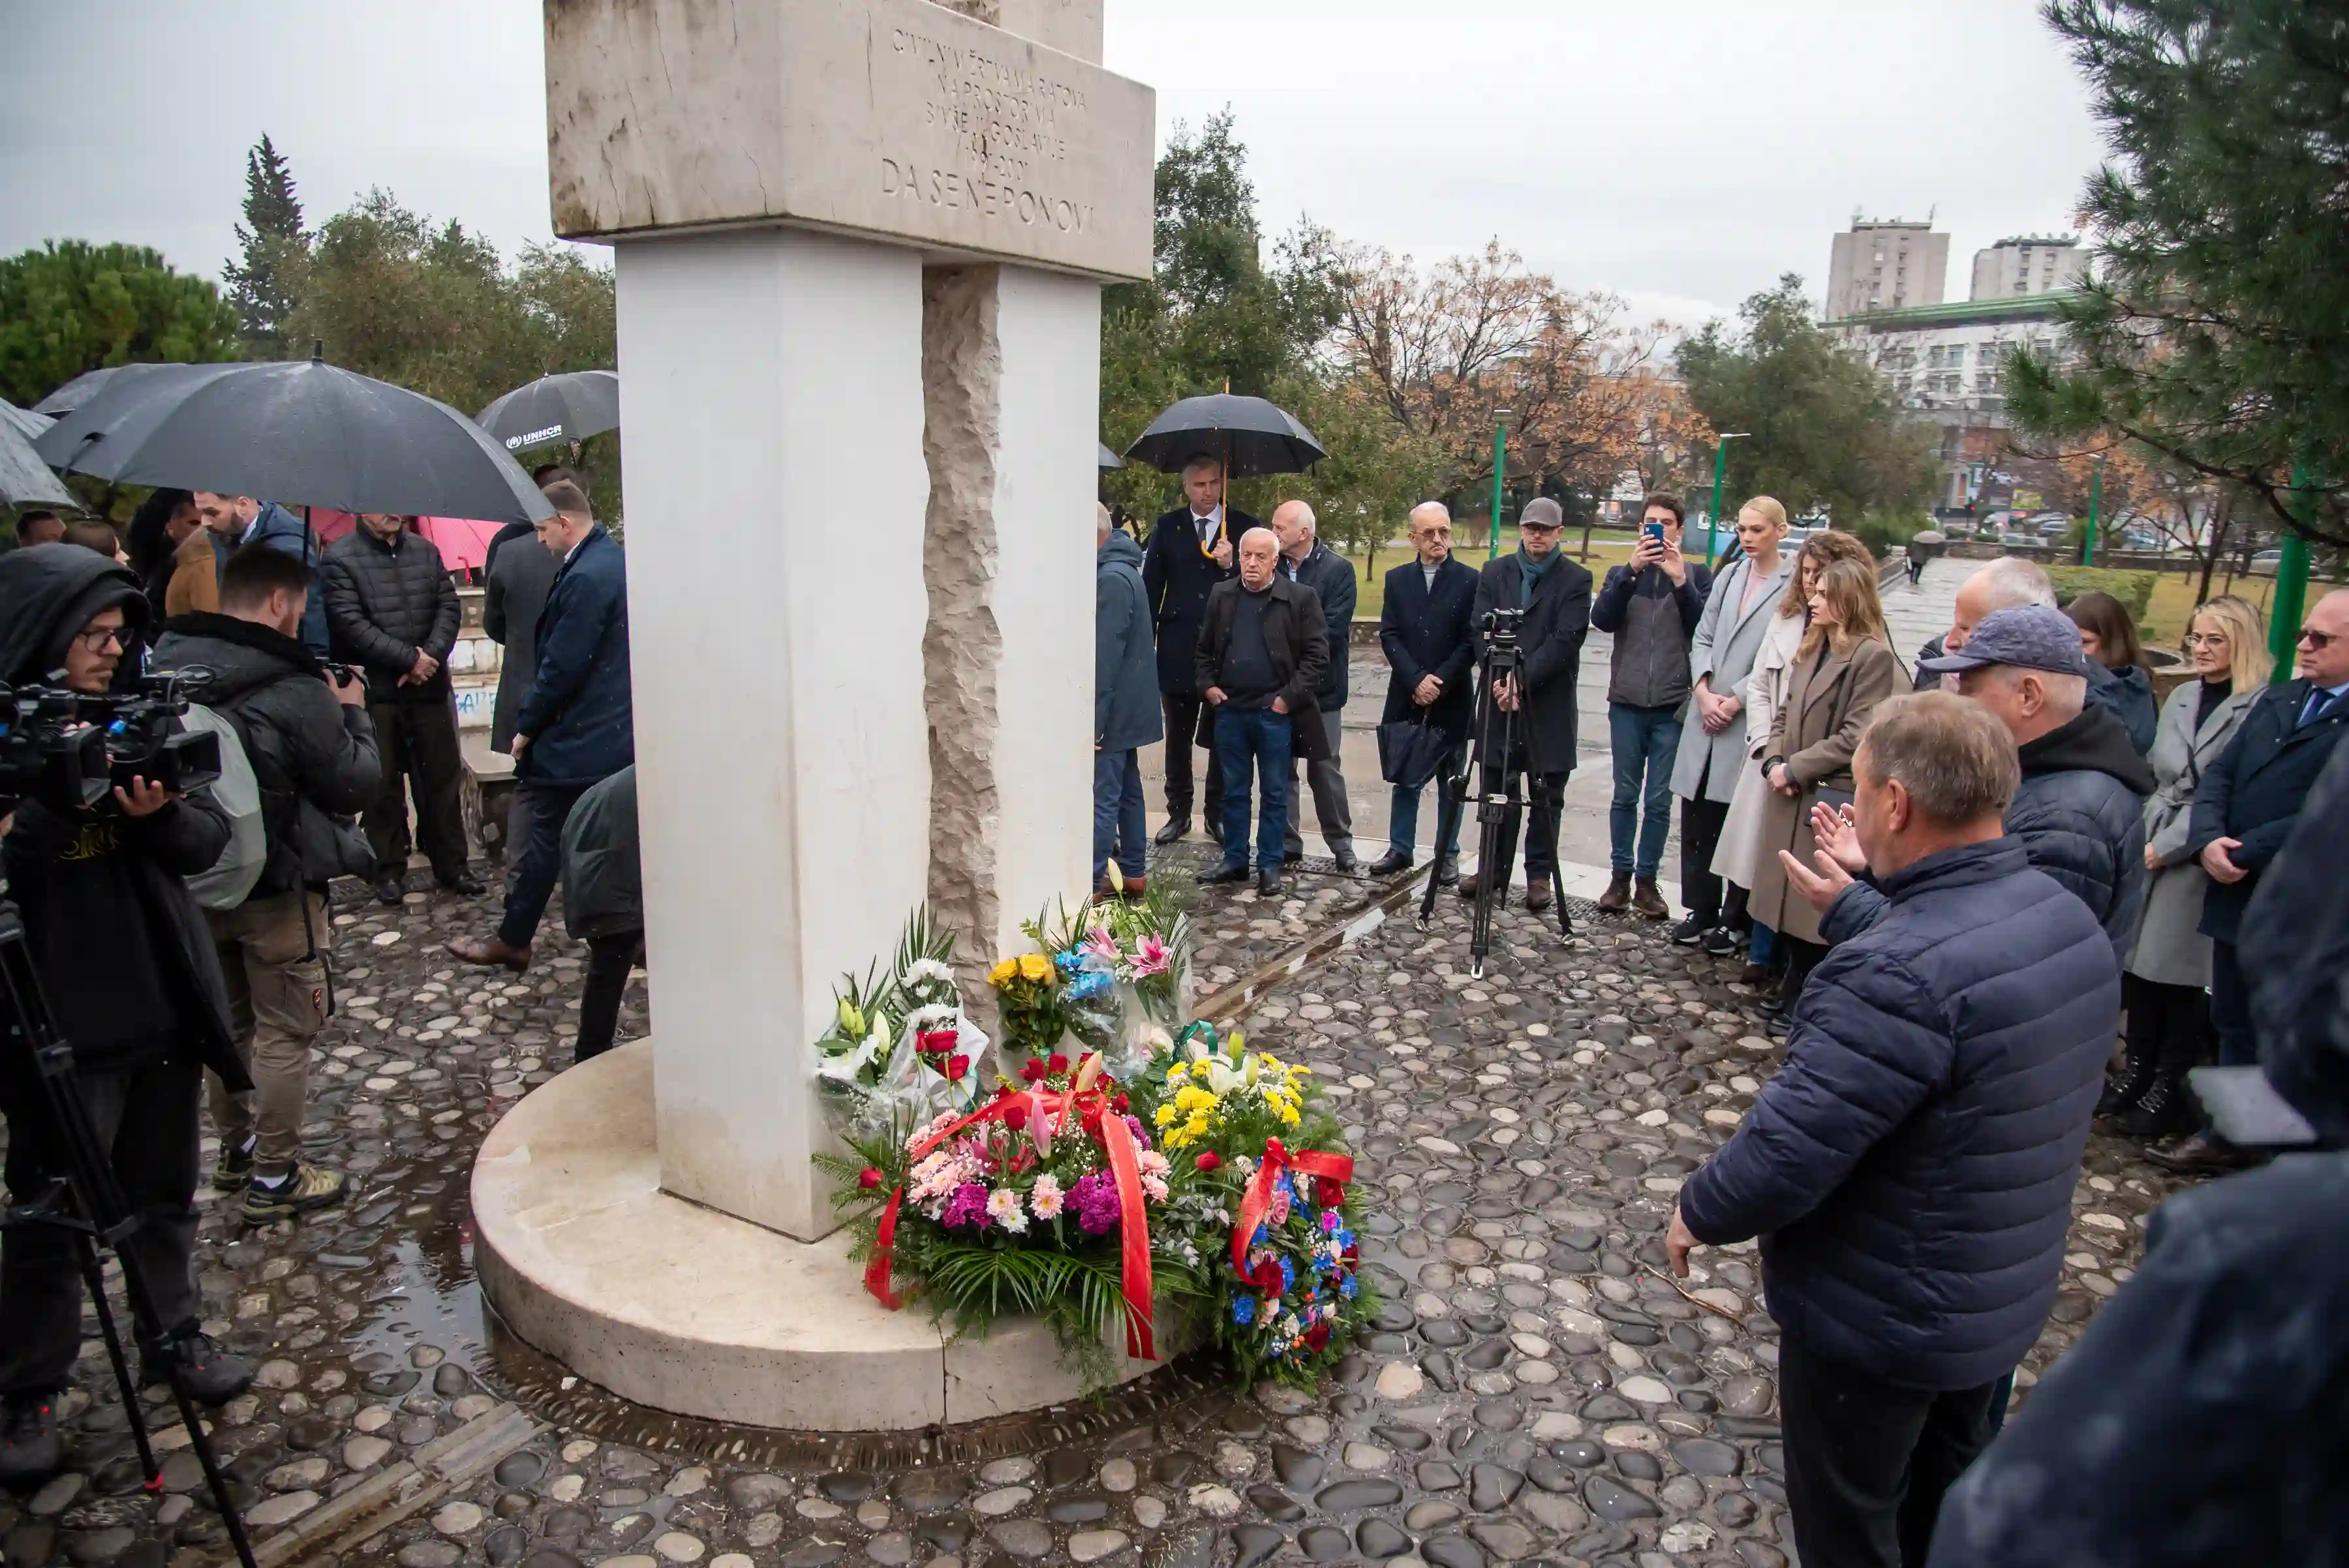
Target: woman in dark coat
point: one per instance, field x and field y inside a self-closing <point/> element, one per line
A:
<point x="2108" y="637"/>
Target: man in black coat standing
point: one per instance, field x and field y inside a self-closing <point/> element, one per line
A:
<point x="1424" y="631"/>
<point x="392" y="610"/>
<point x="1263" y="646"/>
<point x="1192" y="549"/>
<point x="1554" y="593"/>
<point x="1305" y="560"/>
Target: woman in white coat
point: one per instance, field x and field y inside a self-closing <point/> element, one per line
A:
<point x="2163" y="983"/>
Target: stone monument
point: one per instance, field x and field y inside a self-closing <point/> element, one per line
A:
<point x="859" y="247"/>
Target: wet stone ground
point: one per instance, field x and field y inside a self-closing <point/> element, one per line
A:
<point x="1534" y="1391"/>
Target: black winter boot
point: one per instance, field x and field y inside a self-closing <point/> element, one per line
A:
<point x="2137" y="1075"/>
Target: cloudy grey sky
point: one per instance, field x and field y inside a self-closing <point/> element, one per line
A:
<point x="1681" y="152"/>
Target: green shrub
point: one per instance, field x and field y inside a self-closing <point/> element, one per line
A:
<point x="2134" y="589"/>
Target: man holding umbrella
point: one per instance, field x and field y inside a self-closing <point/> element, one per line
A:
<point x="1191" y="550"/>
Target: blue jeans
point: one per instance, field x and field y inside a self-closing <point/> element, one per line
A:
<point x="1645" y="740"/>
<point x="1402" y="814"/>
<point x="1119" y="826"/>
<point x="1764" y="946"/>
<point x="1257" y="742"/>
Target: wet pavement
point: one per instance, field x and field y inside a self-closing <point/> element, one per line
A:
<point x="1534" y="1388"/>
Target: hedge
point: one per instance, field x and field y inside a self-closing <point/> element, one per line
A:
<point x="2134" y="589"/>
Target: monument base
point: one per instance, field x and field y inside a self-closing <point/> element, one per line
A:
<point x="692" y="1311"/>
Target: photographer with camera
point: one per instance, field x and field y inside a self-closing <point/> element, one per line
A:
<point x="125" y="962"/>
<point x="311" y="746"/>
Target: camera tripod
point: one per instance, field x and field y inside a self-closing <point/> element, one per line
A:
<point x="1499" y="765"/>
<point x="87" y="1203"/>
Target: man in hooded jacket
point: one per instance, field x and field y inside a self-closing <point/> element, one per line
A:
<point x="126" y="962"/>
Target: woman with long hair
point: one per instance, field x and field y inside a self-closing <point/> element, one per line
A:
<point x="2108" y="637"/>
<point x="1842" y="668"/>
<point x="164" y="520"/>
<point x="2164" y="983"/>
<point x="1763" y="692"/>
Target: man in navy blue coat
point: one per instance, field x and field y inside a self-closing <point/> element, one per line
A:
<point x="1909" y="1169"/>
<point x="577" y="727"/>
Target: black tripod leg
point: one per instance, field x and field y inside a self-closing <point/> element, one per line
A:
<point x="1558" y="894"/>
<point x="1447" y="823"/>
<point x="95" y="1277"/>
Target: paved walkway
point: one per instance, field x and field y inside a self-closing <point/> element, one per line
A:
<point x="1533" y="1388"/>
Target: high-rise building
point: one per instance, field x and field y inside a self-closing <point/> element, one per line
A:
<point x="2028" y="264"/>
<point x="1886" y="264"/>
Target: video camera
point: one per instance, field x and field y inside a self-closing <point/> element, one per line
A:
<point x="1501" y="626"/>
<point x="68" y="749"/>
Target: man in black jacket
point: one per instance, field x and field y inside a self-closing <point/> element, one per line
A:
<point x="1190" y="551"/>
<point x="392" y="610"/>
<point x="1554" y="593"/>
<point x="125" y="962"/>
<point x="1263" y="646"/>
<point x="1304" y="559"/>
<point x="1425" y="632"/>
<point x="312" y="748"/>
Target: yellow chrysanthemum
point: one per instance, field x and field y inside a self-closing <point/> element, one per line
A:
<point x="1166" y="1115"/>
<point x="1195" y="1101"/>
<point x="1000" y="975"/>
<point x="1035" y="966"/>
<point x="1176" y="1073"/>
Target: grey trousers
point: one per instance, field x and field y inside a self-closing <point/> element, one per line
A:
<point x="1328" y="787"/>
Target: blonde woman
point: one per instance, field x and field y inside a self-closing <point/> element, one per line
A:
<point x="1763" y="692"/>
<point x="2163" y="984"/>
<point x="1842" y="668"/>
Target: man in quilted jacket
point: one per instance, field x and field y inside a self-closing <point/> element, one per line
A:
<point x="1909" y="1170"/>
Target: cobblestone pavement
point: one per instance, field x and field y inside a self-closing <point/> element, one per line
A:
<point x="1534" y="1389"/>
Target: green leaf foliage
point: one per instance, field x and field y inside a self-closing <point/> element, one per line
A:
<point x="69" y="306"/>
<point x="2134" y="589"/>
<point x="261" y="284"/>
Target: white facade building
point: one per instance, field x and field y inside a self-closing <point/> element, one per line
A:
<point x="1885" y="264"/>
<point x="2028" y="264"/>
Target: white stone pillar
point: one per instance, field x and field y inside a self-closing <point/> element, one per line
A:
<point x="770" y="385"/>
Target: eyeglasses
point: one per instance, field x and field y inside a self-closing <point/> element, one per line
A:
<point x="2319" y="640"/>
<point x="95" y="638"/>
<point x="2205" y="639"/>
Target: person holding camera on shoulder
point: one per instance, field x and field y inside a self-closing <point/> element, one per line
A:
<point x="1552" y="595"/>
<point x="125" y="962"/>
<point x="312" y="747"/>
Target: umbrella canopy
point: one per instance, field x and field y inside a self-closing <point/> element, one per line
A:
<point x="77" y="391"/>
<point x="572" y="406"/>
<point x="464" y="542"/>
<point x="1109" y="460"/>
<point x="1250" y="435"/>
<point x="303" y="432"/>
<point x="25" y="479"/>
<point x="24" y="422"/>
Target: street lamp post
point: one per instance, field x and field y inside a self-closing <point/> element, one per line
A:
<point x="2291" y="598"/>
<point x="1712" y="520"/>
<point x="1500" y="468"/>
<point x="2096" y="503"/>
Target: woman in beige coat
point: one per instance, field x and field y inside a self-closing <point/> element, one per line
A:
<point x="1844" y="667"/>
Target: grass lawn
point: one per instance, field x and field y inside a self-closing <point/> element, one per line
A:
<point x="2173" y="602"/>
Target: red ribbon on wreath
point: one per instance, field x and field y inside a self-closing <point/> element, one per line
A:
<point x="1047" y="1111"/>
<point x="1257" y="1200"/>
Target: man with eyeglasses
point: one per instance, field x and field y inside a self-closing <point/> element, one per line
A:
<point x="125" y="960"/>
<point x="2244" y="809"/>
<point x="1190" y="551"/>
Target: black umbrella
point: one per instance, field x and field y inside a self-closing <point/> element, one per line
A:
<point x="25" y="479"/>
<point x="301" y="432"/>
<point x="24" y="422"/>
<point x="572" y="406"/>
<point x="78" y="391"/>
<point x="1109" y="460"/>
<point x="1249" y="435"/>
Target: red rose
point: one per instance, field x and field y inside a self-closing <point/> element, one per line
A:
<point x="1328" y="1193"/>
<point x="1015" y="1116"/>
<point x="1266" y="1277"/>
<point x="1060" y="1064"/>
<point x="956" y="1067"/>
<point x="1033" y="1072"/>
<point x="1352" y="1252"/>
<point x="936" y="1042"/>
<point x="1118" y="1105"/>
<point x="868" y="1179"/>
<point x="1317" y="1338"/>
<point x="1210" y="1160"/>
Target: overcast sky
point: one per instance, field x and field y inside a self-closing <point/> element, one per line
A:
<point x="1681" y="152"/>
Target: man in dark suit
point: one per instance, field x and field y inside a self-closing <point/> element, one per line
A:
<point x="2244" y="809"/>
<point x="1190" y="551"/>
<point x="1306" y="560"/>
<point x="1263" y="647"/>
<point x="1555" y="594"/>
<point x="577" y="726"/>
<point x="1424" y="630"/>
<point x="517" y="580"/>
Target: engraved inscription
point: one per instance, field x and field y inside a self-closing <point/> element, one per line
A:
<point x="1000" y="134"/>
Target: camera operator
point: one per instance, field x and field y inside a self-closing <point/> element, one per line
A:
<point x="125" y="962"/>
<point x="312" y="745"/>
<point x="1554" y="593"/>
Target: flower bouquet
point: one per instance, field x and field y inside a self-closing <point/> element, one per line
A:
<point x="1248" y="1134"/>
<point x="899" y="1049"/>
<point x="1046" y="1198"/>
<point x="1148" y="940"/>
<point x="1064" y="993"/>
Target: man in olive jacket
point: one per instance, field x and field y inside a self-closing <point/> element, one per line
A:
<point x="1263" y="648"/>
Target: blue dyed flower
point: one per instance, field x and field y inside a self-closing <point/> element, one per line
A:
<point x="1244" y="1310"/>
<point x="1069" y="961"/>
<point x="1256" y="1240"/>
<point x="1348" y="1288"/>
<point x="1288" y="1276"/>
<point x="1345" y="1239"/>
<point x="1088" y="985"/>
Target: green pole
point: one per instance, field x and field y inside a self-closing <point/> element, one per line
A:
<point x="1500" y="468"/>
<point x="1712" y="519"/>
<point x="2095" y="500"/>
<point x="2290" y="583"/>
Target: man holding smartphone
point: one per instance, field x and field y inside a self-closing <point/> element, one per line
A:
<point x="1651" y="607"/>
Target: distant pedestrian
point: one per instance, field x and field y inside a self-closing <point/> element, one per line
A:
<point x="603" y="903"/>
<point x="96" y="534"/>
<point x="1553" y="594"/>
<point x="1126" y="706"/>
<point x="516" y="573"/>
<point x="39" y="526"/>
<point x="1651" y="606"/>
<point x="392" y="611"/>
<point x="1191" y="550"/>
<point x="1305" y="559"/>
<point x="1909" y="1169"/>
<point x="1425" y="631"/>
<point x="2117" y="659"/>
<point x="233" y="521"/>
<point x="577" y="726"/>
<point x="2165" y="982"/>
<point x="1729" y="639"/>
<point x="1263" y="645"/>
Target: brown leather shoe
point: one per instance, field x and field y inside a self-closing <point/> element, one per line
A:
<point x="1647" y="901"/>
<point x="1137" y="888"/>
<point x="1537" y="896"/>
<point x="491" y="951"/>
<point x="1619" y="892"/>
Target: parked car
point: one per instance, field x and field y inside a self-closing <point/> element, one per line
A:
<point x="2264" y="564"/>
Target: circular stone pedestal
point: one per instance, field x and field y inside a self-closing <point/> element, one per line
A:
<point x="689" y="1310"/>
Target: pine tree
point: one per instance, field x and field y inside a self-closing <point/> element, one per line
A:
<point x="263" y="287"/>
